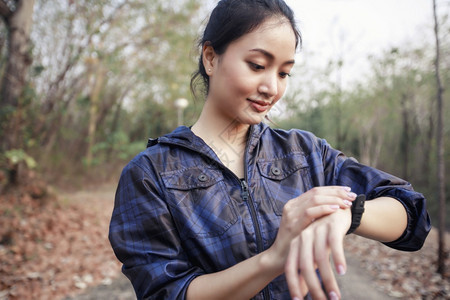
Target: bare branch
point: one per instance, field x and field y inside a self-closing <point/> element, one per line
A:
<point x="54" y="85"/>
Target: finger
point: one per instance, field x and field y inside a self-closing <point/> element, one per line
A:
<point x="337" y="199"/>
<point x="307" y="265"/>
<point x="291" y="270"/>
<point x="345" y="192"/>
<point x="322" y="258"/>
<point x="316" y="212"/>
<point x="298" y="217"/>
<point x="300" y="208"/>
<point x="341" y="192"/>
<point x="336" y="242"/>
<point x="303" y="285"/>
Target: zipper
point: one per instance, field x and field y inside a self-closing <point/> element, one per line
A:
<point x="259" y="244"/>
<point x="244" y="193"/>
<point x="251" y="204"/>
<point x="246" y="197"/>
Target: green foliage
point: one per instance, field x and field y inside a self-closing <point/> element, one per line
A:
<point x="117" y="145"/>
<point x="37" y="70"/>
<point x="16" y="156"/>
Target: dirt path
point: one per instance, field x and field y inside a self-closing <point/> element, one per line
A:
<point x="119" y="289"/>
<point x="358" y="284"/>
<point x="56" y="246"/>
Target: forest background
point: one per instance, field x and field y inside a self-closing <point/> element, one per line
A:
<point x="93" y="80"/>
<point x="103" y="76"/>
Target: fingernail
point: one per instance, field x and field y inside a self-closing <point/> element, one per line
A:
<point x="341" y="270"/>
<point x="347" y="188"/>
<point x="334" y="207"/>
<point x="333" y="296"/>
<point x="352" y="195"/>
<point x="348" y="203"/>
<point x="296" y="298"/>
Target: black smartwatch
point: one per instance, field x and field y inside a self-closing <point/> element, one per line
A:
<point x="357" y="212"/>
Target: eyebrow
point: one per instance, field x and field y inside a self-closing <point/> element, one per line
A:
<point x="271" y="56"/>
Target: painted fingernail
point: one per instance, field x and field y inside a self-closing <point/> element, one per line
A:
<point x="296" y="298"/>
<point x="348" y="203"/>
<point x="341" y="270"/>
<point x="334" y="207"/>
<point x="333" y="296"/>
<point x="352" y="195"/>
<point x="347" y="188"/>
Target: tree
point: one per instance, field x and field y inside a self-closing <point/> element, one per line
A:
<point x="98" y="76"/>
<point x="109" y="74"/>
<point x="17" y="17"/>
<point x="440" y="148"/>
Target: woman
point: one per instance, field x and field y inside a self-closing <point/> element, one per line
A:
<point x="232" y="209"/>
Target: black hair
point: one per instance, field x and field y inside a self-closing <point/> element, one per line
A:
<point x="232" y="19"/>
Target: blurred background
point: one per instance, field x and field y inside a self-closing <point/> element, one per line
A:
<point x="84" y="84"/>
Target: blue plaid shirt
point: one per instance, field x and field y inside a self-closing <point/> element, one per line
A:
<point x="180" y="213"/>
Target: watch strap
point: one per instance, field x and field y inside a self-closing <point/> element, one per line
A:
<point x="357" y="212"/>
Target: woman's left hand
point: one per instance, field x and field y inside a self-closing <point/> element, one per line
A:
<point x="311" y="250"/>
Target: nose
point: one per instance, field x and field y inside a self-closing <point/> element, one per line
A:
<point x="269" y="85"/>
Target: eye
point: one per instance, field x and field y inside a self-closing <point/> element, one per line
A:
<point x="255" y="67"/>
<point x="284" y="74"/>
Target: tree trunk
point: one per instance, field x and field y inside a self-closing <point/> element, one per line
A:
<point x="93" y="110"/>
<point x="405" y="135"/>
<point x="18" y="24"/>
<point x="440" y="150"/>
<point x="427" y="146"/>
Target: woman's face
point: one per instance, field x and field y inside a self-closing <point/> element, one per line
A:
<point x="251" y="76"/>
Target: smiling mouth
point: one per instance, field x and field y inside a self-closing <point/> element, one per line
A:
<point x="259" y="106"/>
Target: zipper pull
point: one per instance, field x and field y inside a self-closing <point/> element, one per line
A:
<point x="244" y="193"/>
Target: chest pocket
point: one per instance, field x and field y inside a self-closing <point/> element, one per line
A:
<point x="199" y="201"/>
<point x="285" y="178"/>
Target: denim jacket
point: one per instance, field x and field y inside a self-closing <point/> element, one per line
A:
<point x="180" y="213"/>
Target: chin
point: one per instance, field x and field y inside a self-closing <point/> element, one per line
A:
<point x="253" y="119"/>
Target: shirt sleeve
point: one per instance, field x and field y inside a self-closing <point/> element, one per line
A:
<point x="145" y="240"/>
<point x="342" y="170"/>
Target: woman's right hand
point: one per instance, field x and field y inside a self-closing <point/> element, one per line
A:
<point x="300" y="212"/>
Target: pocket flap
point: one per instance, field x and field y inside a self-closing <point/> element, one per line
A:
<point x="190" y="178"/>
<point x="280" y="168"/>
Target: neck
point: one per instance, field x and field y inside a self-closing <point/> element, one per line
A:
<point x="214" y="128"/>
<point x="226" y="137"/>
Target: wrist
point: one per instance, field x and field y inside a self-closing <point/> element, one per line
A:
<point x="345" y="218"/>
<point x="271" y="263"/>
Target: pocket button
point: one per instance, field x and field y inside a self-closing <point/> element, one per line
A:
<point x="203" y="178"/>
<point x="275" y="171"/>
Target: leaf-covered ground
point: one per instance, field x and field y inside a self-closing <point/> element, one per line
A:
<point x="403" y="275"/>
<point x="55" y="249"/>
<point x="59" y="248"/>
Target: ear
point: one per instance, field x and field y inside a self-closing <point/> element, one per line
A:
<point x="209" y="58"/>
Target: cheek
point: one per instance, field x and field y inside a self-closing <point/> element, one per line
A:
<point x="239" y="79"/>
<point x="245" y="86"/>
<point x="281" y="89"/>
<point x="241" y="85"/>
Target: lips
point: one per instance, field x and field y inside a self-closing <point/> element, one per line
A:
<point x="259" y="105"/>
